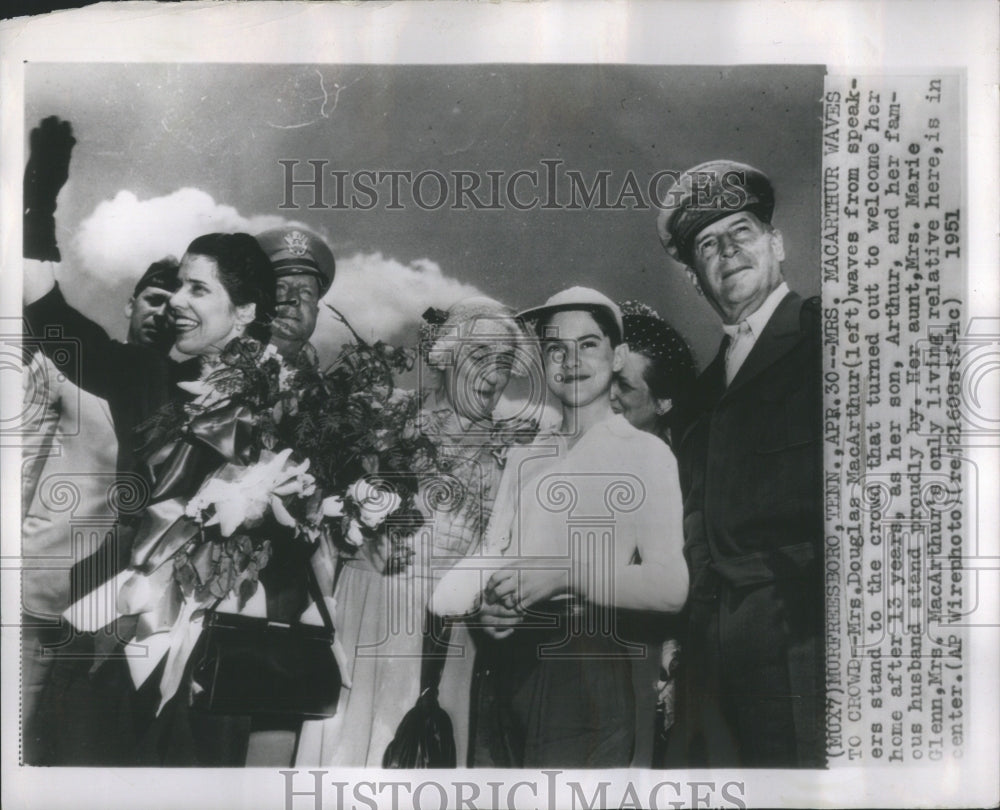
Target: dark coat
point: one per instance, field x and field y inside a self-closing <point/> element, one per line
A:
<point x="134" y="380"/>
<point x="751" y="472"/>
<point x="96" y="717"/>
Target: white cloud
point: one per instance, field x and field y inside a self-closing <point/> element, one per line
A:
<point x="123" y="236"/>
<point x="384" y="298"/>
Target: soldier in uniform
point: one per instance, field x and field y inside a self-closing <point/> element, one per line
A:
<point x="303" y="270"/>
<point x="751" y="472"/>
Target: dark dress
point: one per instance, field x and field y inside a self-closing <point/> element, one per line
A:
<point x="92" y="713"/>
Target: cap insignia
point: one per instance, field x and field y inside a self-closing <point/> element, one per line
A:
<point x="297" y="243"/>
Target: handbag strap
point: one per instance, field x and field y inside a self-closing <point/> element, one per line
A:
<point x="437" y="632"/>
<point x="317" y="594"/>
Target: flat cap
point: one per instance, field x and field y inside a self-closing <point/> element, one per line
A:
<point x="295" y="250"/>
<point x="705" y="194"/>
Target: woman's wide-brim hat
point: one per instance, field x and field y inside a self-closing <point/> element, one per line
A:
<point x="576" y="298"/>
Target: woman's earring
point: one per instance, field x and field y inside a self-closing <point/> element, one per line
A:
<point x="663" y="406"/>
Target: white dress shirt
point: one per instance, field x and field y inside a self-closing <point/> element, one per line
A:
<point x="743" y="335"/>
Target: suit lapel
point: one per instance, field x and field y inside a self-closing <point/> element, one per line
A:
<point x="778" y="338"/>
<point x="713" y="379"/>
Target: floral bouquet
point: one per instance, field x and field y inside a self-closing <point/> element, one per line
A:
<point x="308" y="453"/>
<point x="303" y="453"/>
<point x="237" y="500"/>
<point x="267" y="454"/>
<point x="368" y="449"/>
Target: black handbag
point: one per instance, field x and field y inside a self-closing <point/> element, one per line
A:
<point x="253" y="666"/>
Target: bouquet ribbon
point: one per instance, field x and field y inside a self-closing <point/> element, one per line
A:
<point x="147" y="589"/>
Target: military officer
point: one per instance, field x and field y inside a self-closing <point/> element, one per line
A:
<point x="751" y="468"/>
<point x="304" y="267"/>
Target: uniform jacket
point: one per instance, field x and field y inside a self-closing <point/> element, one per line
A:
<point x="753" y="522"/>
<point x="752" y="461"/>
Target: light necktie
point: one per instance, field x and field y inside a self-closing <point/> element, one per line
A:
<point x="740" y="345"/>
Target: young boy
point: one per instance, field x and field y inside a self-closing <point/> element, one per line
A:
<point x="588" y="521"/>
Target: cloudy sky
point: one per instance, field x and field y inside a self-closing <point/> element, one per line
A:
<point x="168" y="151"/>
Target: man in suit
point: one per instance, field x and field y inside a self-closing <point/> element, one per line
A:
<point x="751" y="469"/>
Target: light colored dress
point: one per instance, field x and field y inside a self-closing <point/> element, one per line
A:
<point x="380" y="616"/>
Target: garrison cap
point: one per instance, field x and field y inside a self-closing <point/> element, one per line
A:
<point x="295" y="250"/>
<point x="162" y="274"/>
<point x="705" y="194"/>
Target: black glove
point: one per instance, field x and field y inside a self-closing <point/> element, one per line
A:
<point x="51" y="145"/>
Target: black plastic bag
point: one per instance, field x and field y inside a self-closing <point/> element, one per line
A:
<point x="425" y="737"/>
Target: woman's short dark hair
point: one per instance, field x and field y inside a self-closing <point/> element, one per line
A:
<point x="602" y="317"/>
<point x="671" y="370"/>
<point x="245" y="272"/>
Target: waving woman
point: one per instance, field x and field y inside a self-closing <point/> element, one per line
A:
<point x="104" y="713"/>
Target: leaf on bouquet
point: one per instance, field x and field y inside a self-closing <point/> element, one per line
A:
<point x="248" y="587"/>
<point x="203" y="562"/>
<point x="217" y="589"/>
<point x="242" y="553"/>
<point x="185" y="576"/>
<point x="263" y="555"/>
<point x="222" y="582"/>
<point x="268" y="440"/>
<point x="405" y="522"/>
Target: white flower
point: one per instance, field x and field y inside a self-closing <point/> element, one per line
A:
<point x="281" y="514"/>
<point x="355" y="536"/>
<point x="206" y="395"/>
<point x="375" y="502"/>
<point x="242" y="495"/>
<point x="233" y="504"/>
<point x="333" y="506"/>
<point x="284" y="377"/>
